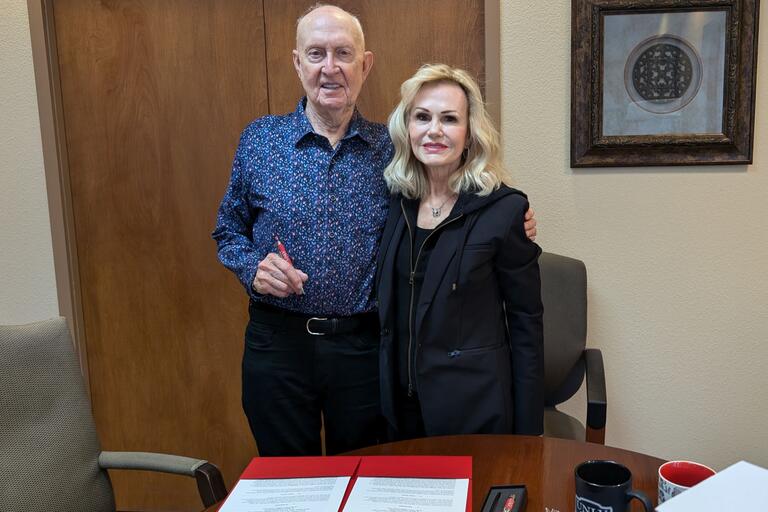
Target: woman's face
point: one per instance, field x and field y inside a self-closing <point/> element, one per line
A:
<point x="438" y="126"/>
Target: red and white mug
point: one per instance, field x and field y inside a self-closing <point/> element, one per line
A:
<point x="677" y="476"/>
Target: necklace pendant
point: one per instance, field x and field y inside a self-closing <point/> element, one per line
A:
<point x="436" y="211"/>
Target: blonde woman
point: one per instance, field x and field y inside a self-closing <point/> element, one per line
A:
<point x="458" y="281"/>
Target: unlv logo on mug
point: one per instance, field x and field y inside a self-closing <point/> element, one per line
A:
<point x="585" y="505"/>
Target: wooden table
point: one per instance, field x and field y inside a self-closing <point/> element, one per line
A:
<point x="544" y="464"/>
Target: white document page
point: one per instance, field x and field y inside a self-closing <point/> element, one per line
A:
<point x="375" y="494"/>
<point x="742" y="486"/>
<point x="287" y="495"/>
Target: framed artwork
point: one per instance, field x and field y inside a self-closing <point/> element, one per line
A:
<point x="663" y="82"/>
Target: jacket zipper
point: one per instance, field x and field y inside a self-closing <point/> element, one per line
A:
<point x="410" y="281"/>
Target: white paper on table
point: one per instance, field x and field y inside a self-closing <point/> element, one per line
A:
<point x="322" y="494"/>
<point x="742" y="486"/>
<point x="376" y="494"/>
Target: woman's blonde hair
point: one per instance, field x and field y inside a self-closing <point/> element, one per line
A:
<point x="480" y="170"/>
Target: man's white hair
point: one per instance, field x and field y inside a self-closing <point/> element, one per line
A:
<point x="319" y="5"/>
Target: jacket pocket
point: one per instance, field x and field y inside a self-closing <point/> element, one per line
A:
<point x="485" y="246"/>
<point x="475" y="350"/>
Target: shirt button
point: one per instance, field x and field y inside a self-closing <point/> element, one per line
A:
<point x="385" y="332"/>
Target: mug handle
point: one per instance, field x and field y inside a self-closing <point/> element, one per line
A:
<point x="643" y="499"/>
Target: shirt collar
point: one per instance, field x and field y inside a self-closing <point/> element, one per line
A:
<point x="358" y="125"/>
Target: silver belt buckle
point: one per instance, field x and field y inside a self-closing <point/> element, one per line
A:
<point x="310" y="331"/>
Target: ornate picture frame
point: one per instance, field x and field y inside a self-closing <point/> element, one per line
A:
<point x="663" y="82"/>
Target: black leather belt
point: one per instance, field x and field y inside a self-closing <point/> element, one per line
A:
<point x="315" y="325"/>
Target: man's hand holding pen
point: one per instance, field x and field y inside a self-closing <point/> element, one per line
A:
<point x="277" y="276"/>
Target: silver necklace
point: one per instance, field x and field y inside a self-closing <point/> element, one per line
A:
<point x="436" y="212"/>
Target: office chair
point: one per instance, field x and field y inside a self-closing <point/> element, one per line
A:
<point x="566" y="360"/>
<point x="50" y="457"/>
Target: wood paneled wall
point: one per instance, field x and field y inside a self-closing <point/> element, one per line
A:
<point x="154" y="95"/>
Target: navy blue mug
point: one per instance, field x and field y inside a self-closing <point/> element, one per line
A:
<point x="606" y="486"/>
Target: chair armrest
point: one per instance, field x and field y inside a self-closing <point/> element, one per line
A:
<point x="210" y="483"/>
<point x="597" y="402"/>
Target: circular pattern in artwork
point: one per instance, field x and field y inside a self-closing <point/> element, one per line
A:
<point x="663" y="74"/>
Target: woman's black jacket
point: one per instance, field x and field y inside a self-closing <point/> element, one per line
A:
<point x="478" y="319"/>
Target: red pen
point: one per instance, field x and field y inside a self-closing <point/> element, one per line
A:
<point x="284" y="254"/>
<point x="510" y="503"/>
<point x="282" y="251"/>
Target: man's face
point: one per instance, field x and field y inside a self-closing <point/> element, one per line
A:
<point x="330" y="61"/>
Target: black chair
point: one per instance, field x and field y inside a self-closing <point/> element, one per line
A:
<point x="50" y="457"/>
<point x="566" y="359"/>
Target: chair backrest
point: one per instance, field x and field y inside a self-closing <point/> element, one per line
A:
<point x="48" y="443"/>
<point x="564" y="295"/>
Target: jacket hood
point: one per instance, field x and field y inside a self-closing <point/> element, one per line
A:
<point x="469" y="202"/>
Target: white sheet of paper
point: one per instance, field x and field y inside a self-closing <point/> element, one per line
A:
<point x="287" y="495"/>
<point x="375" y="494"/>
<point x="742" y="486"/>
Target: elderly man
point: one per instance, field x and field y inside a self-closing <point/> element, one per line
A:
<point x="299" y="226"/>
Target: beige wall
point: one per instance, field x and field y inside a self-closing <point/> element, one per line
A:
<point x="677" y="259"/>
<point x="27" y="282"/>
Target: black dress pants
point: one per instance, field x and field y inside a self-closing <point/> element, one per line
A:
<point x="291" y="377"/>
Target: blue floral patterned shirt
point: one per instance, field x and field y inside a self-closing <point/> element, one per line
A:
<point x="328" y="207"/>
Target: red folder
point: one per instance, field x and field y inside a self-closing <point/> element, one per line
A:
<point x="394" y="466"/>
<point x="300" y="467"/>
<point x="416" y="466"/>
